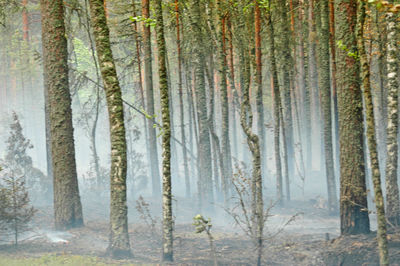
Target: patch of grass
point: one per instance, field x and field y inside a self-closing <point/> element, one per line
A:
<point x="55" y="260"/>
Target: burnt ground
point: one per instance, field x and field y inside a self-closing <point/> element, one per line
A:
<point x="303" y="242"/>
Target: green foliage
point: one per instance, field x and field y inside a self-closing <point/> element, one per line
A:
<point x="343" y="47"/>
<point x="149" y="22"/>
<point x="83" y="56"/>
<point x="383" y="5"/>
<point x="201" y="224"/>
<point x="15" y="211"/>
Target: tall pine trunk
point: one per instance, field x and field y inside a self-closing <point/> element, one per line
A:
<point x="119" y="246"/>
<point x="353" y="195"/>
<point x="67" y="204"/>
<point x="167" y="248"/>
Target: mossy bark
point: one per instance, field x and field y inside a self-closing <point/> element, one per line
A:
<point x="392" y="189"/>
<point x="371" y="136"/>
<point x="324" y="84"/>
<point x="167" y="247"/>
<point x="67" y="204"/>
<point x="353" y="195"/>
<point x="148" y="79"/>
<point x="119" y="245"/>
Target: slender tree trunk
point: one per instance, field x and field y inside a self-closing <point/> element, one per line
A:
<point x="287" y="62"/>
<point x="333" y="78"/>
<point x="181" y="107"/>
<point x="148" y="72"/>
<point x="325" y="87"/>
<point x="246" y="119"/>
<point x="313" y="88"/>
<point x="353" y="195"/>
<point x="371" y="136"/>
<point x="232" y="93"/>
<point x="204" y="148"/>
<point x="392" y="189"/>
<point x="119" y="246"/>
<point x="226" y="147"/>
<point x="277" y="105"/>
<point x="141" y="88"/>
<point x="67" y="204"/>
<point x="167" y="250"/>
<point x="259" y="89"/>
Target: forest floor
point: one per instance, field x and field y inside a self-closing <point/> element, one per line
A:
<point x="312" y="239"/>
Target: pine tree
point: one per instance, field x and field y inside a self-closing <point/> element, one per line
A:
<point x="67" y="203"/>
<point x="353" y="194"/>
<point x="325" y="86"/>
<point x="167" y="251"/>
<point x="119" y="245"/>
<point x="15" y="210"/>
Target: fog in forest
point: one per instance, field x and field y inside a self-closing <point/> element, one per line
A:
<point x="234" y="114"/>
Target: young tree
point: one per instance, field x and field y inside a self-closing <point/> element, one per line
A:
<point x="67" y="204"/>
<point x="167" y="248"/>
<point x="353" y="195"/>
<point x="119" y="246"/>
<point x="15" y="211"/>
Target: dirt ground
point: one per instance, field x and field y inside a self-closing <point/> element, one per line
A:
<point x="312" y="239"/>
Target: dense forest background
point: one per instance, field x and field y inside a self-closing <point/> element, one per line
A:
<point x="228" y="109"/>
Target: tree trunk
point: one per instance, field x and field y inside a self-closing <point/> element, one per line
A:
<point x="181" y="107"/>
<point x="119" y="246"/>
<point x="324" y="85"/>
<point x="167" y="250"/>
<point x="353" y="195"/>
<point x="67" y="204"/>
<point x="371" y="136"/>
<point x="141" y="89"/>
<point x="313" y="148"/>
<point x="148" y="72"/>
<point x="204" y="148"/>
<point x="259" y="89"/>
<point x="225" y="140"/>
<point x="392" y="189"/>
<point x="277" y="105"/>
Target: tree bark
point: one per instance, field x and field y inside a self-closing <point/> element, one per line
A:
<point x="392" y="189"/>
<point x="353" y="195"/>
<point x="67" y="204"/>
<point x="276" y="112"/>
<point x="167" y="248"/>
<point x="371" y="136"/>
<point x="148" y="73"/>
<point x="204" y="149"/>
<point x="119" y="246"/>
<point x="324" y="85"/>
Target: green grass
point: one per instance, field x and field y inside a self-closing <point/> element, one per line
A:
<point x="55" y="260"/>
